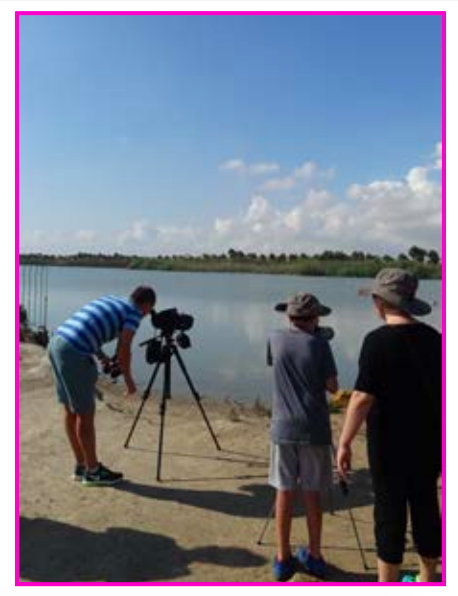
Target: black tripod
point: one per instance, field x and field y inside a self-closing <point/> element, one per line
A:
<point x="167" y="350"/>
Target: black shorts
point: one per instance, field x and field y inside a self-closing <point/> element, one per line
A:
<point x="407" y="491"/>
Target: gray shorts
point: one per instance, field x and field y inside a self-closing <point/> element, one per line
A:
<point x="293" y="465"/>
<point x="75" y="375"/>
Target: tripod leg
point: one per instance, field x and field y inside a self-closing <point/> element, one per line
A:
<point x="195" y="395"/>
<point x="344" y="488"/>
<point x="358" y="540"/>
<point x="165" y="396"/>
<point x="266" y="524"/>
<point x="144" y="397"/>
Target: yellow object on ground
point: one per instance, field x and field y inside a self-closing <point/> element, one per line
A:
<point x="341" y="398"/>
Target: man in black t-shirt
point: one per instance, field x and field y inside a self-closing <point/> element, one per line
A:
<point x="399" y="393"/>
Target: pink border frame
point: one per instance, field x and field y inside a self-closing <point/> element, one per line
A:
<point x="18" y="14"/>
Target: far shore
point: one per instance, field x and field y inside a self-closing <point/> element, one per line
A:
<point x="338" y="265"/>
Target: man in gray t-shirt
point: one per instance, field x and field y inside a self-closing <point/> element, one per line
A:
<point x="303" y="370"/>
<point x="303" y="362"/>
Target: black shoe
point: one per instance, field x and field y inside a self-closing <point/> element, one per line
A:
<point x="101" y="477"/>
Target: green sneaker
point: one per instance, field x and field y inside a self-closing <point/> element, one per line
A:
<point x="410" y="578"/>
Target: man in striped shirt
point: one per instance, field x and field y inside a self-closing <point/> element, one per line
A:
<point x="71" y="351"/>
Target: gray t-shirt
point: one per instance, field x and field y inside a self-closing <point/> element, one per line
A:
<point x="302" y="363"/>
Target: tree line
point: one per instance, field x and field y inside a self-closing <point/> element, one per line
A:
<point x="426" y="263"/>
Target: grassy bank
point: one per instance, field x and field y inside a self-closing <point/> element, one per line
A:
<point x="335" y="267"/>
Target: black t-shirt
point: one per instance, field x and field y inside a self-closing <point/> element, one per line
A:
<point x="401" y="366"/>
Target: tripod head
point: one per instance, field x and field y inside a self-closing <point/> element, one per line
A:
<point x="160" y="347"/>
<point x="171" y="326"/>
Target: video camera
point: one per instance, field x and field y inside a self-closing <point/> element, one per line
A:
<point x="167" y="322"/>
<point x="170" y="320"/>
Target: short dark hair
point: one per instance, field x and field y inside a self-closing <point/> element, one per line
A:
<point x="143" y="295"/>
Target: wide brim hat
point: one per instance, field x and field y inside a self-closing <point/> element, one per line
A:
<point x="304" y="306"/>
<point x="398" y="288"/>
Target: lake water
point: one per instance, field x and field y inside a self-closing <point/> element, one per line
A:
<point x="233" y="315"/>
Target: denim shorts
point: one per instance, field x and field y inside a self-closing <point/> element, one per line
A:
<point x="296" y="465"/>
<point x="75" y="376"/>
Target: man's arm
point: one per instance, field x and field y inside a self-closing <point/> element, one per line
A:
<point x="124" y="357"/>
<point x="357" y="411"/>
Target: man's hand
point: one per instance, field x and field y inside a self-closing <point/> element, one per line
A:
<point x="102" y="358"/>
<point x="357" y="412"/>
<point x="343" y="460"/>
<point x="131" y="387"/>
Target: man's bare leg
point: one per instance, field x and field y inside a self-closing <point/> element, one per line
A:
<point x="70" y="421"/>
<point x="312" y="502"/>
<point x="427" y="569"/>
<point x="283" y="516"/>
<point x="85" y="429"/>
<point x="387" y="572"/>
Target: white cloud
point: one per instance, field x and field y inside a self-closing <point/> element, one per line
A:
<point x="384" y="216"/>
<point x="400" y="212"/>
<point x="86" y="236"/>
<point x="139" y="233"/>
<point x="256" y="169"/>
<point x="317" y="199"/>
<point x="59" y="242"/>
<point x="303" y="177"/>
<point x="259" y="169"/>
<point x="224" y="227"/>
<point x="259" y="211"/>
<point x="279" y="184"/>
<point x="418" y="182"/>
<point x="307" y="170"/>
<point x="438" y="156"/>
<point x="234" y="165"/>
<point x="294" y="219"/>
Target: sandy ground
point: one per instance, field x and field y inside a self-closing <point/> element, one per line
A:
<point x="201" y="523"/>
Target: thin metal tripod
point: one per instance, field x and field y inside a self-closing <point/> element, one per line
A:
<point x="345" y="491"/>
<point x="168" y="350"/>
<point x="266" y="523"/>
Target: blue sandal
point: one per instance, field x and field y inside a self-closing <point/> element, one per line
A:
<point x="312" y="566"/>
<point x="284" y="570"/>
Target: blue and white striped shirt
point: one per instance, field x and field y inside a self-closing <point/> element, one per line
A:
<point x="99" y="322"/>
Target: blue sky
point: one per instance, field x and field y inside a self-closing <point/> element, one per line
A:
<point x="174" y="134"/>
